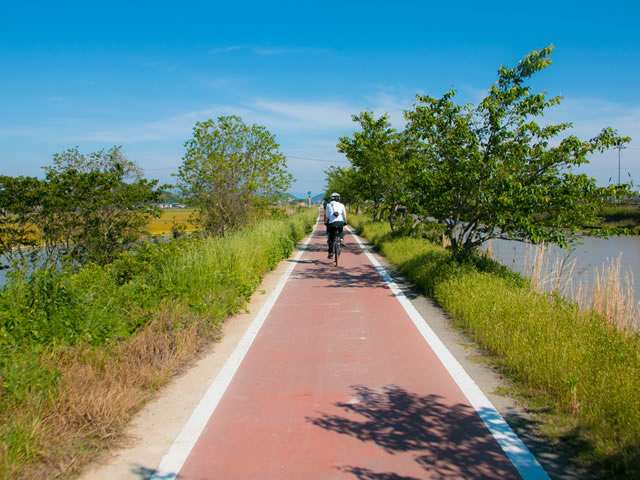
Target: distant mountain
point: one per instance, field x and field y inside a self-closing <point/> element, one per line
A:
<point x="297" y="195"/>
<point x="170" y="197"/>
<point x="303" y="197"/>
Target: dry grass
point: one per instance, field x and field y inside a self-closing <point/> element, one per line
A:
<point x="100" y="389"/>
<point x="546" y="274"/>
<point x="67" y="403"/>
<point x="609" y="293"/>
<point x="612" y="296"/>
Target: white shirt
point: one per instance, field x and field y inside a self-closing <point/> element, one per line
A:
<point x="335" y="212"/>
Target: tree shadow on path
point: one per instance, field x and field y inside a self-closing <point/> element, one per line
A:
<point x="448" y="441"/>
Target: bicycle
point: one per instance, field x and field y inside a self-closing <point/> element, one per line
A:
<point x="335" y="248"/>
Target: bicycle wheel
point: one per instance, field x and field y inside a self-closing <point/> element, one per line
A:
<point x="336" y="249"/>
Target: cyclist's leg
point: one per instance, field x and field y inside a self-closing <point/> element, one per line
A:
<point x="332" y="234"/>
<point x="341" y="233"/>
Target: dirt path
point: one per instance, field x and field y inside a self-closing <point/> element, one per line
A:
<point x="376" y="384"/>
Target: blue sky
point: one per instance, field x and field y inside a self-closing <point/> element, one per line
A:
<point x="140" y="74"/>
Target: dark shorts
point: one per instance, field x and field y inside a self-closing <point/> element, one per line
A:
<point x="332" y="229"/>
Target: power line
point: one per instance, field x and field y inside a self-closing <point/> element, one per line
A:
<point x="159" y="168"/>
<point x="288" y="156"/>
<point x="317" y="159"/>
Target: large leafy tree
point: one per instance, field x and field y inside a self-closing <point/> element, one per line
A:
<point x="346" y="182"/>
<point x="20" y="198"/>
<point x="95" y="206"/>
<point x="376" y="153"/>
<point x="492" y="171"/>
<point x="100" y="161"/>
<point x="88" y="208"/>
<point x="230" y="171"/>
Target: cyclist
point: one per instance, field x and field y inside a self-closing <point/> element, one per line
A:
<point x="335" y="218"/>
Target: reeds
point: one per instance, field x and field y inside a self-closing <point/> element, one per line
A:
<point x="607" y="292"/>
<point x="612" y="296"/>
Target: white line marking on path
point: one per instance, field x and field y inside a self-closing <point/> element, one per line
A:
<point x="520" y="456"/>
<point x="173" y="461"/>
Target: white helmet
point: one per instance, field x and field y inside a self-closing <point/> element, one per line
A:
<point x="335" y="196"/>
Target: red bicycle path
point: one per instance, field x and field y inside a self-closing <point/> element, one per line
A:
<point x="340" y="384"/>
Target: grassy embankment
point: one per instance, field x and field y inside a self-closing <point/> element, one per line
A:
<point x="621" y="216"/>
<point x="584" y="372"/>
<point x="81" y="353"/>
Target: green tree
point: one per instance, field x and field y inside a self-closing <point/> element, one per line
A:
<point x="88" y="208"/>
<point x="492" y="172"/>
<point x="20" y="198"/>
<point x="230" y="172"/>
<point x="346" y="182"/>
<point x="100" y="161"/>
<point x="93" y="214"/>
<point x="377" y="155"/>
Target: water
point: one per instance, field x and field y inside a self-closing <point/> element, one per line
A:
<point x="594" y="253"/>
<point x="156" y="239"/>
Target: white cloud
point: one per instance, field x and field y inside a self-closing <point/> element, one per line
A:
<point x="304" y="115"/>
<point x="232" y="48"/>
<point x="385" y="101"/>
<point x="589" y="116"/>
<point x="272" y="114"/>
<point x="288" y="51"/>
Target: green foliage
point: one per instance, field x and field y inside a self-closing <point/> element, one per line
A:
<point x="619" y="216"/>
<point x="411" y="226"/>
<point x="93" y="208"/>
<point x="231" y="170"/>
<point x="485" y="171"/>
<point x="167" y="196"/>
<point x="87" y="209"/>
<point x="542" y="342"/>
<point x="346" y="182"/>
<point x="490" y="171"/>
<point x="100" y="161"/>
<point x="20" y="198"/>
<point x="377" y="157"/>
<point x="103" y="304"/>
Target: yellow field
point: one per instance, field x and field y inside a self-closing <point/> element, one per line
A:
<point x="162" y="225"/>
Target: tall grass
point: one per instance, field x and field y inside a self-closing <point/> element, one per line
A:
<point x="610" y="292"/>
<point x="81" y="352"/>
<point x="578" y="362"/>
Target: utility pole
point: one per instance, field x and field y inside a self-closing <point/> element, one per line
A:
<point x="619" y="147"/>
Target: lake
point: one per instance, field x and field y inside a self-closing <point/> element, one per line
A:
<point x="583" y="260"/>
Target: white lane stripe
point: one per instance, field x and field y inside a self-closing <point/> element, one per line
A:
<point x="520" y="456"/>
<point x="173" y="461"/>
